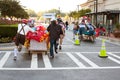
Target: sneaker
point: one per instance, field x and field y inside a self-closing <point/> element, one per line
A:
<point x="60" y="47"/>
<point x="15" y="58"/>
<point x="52" y="57"/>
<point x="19" y="48"/>
<point x="56" y="51"/>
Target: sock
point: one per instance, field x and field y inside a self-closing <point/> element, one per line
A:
<point x="15" y="51"/>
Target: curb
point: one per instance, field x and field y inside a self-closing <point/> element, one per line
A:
<point x="7" y="48"/>
<point x="110" y="39"/>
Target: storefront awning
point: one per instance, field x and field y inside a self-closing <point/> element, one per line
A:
<point x="105" y="12"/>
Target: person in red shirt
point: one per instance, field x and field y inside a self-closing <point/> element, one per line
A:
<point x="102" y="30"/>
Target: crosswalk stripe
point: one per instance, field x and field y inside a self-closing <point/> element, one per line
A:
<point x="4" y="59"/>
<point x="46" y="60"/>
<point x="75" y="60"/>
<point x="87" y="60"/>
<point x="48" y="65"/>
<point x="113" y="59"/>
<point x="34" y="61"/>
<point x="113" y="55"/>
<point x="63" y="68"/>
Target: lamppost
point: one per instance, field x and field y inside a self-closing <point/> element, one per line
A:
<point x="59" y="11"/>
<point x="96" y="9"/>
<point x="78" y="7"/>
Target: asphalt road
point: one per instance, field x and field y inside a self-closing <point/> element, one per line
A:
<point x="73" y="62"/>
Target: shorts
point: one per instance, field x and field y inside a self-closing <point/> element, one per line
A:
<point x="20" y="39"/>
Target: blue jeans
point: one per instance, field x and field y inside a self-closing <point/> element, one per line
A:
<point x="52" y="43"/>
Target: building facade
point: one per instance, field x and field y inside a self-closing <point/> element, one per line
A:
<point x="106" y="11"/>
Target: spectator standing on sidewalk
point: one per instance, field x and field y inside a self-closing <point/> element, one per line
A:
<point x="109" y="30"/>
<point x="23" y="28"/>
<point x="55" y="31"/>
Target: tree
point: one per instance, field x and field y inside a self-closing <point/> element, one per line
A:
<point x="31" y="13"/>
<point x="39" y="14"/>
<point x="78" y="14"/>
<point x="12" y="8"/>
<point x="83" y="12"/>
<point x="73" y="14"/>
<point x="66" y="17"/>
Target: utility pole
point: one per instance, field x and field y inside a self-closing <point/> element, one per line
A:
<point x="96" y="11"/>
<point x="78" y="7"/>
<point x="59" y="11"/>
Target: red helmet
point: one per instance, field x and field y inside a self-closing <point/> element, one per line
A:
<point x="24" y="21"/>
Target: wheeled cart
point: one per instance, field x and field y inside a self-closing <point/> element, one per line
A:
<point x="37" y="47"/>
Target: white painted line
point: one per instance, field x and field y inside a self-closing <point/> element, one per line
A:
<point x="62" y="68"/>
<point x="70" y="52"/>
<point x="113" y="59"/>
<point x="87" y="60"/>
<point x="34" y="61"/>
<point x="46" y="60"/>
<point x="4" y="59"/>
<point x="114" y="55"/>
<point x="86" y="52"/>
<point x="7" y="48"/>
<point x="75" y="60"/>
<point x="6" y="51"/>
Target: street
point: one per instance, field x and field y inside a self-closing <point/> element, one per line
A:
<point x="73" y="62"/>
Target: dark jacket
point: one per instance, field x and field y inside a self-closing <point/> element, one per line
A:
<point x="54" y="31"/>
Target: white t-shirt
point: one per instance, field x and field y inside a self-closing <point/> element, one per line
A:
<point x="26" y="29"/>
<point x="82" y="25"/>
<point x="90" y="26"/>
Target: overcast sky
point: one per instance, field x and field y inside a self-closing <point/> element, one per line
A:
<point x="43" y="5"/>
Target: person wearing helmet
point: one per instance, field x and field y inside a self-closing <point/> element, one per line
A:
<point x="23" y="28"/>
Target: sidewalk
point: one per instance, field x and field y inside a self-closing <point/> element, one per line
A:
<point x="7" y="46"/>
<point x="111" y="38"/>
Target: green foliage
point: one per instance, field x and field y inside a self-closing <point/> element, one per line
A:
<point x="77" y="14"/>
<point x="117" y="26"/>
<point x="8" y="30"/>
<point x="31" y="13"/>
<point x="5" y="39"/>
<point x="12" y="8"/>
